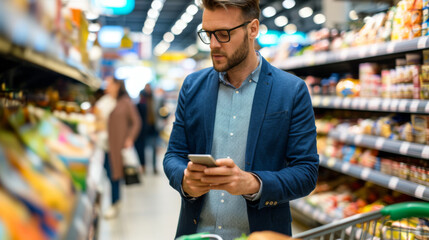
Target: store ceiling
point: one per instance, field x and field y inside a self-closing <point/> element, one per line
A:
<point x="173" y="9"/>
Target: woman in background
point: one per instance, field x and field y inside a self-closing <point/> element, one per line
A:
<point x="123" y="127"/>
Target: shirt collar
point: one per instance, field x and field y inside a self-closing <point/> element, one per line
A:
<point x="254" y="76"/>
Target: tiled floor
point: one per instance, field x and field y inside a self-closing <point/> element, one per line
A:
<point x="148" y="211"/>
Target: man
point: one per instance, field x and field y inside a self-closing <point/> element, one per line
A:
<point x="256" y="120"/>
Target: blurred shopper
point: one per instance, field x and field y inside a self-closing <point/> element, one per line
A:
<point x="123" y="127"/>
<point x="255" y="119"/>
<point x="148" y="136"/>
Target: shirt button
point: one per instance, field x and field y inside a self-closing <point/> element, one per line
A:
<point x="222" y="201"/>
<point x="250" y="80"/>
<point x="223" y="194"/>
<point x="237" y="91"/>
<point x="195" y="221"/>
<point x="234" y="117"/>
<point x="220" y="227"/>
<point x="231" y="134"/>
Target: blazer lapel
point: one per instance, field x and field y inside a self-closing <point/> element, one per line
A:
<point x="210" y="108"/>
<point x="260" y="103"/>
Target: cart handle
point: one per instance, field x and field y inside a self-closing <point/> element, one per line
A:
<point x="406" y="210"/>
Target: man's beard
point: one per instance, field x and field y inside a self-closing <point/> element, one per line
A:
<point x="237" y="57"/>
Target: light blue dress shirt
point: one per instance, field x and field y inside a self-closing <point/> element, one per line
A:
<point x="225" y="214"/>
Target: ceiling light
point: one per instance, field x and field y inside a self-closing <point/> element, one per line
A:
<point x="198" y="2"/>
<point x="91" y="15"/>
<point x="176" y="31"/>
<point x="157" y="5"/>
<point x="305" y="12"/>
<point x="152" y="13"/>
<point x="290" y="28"/>
<point x="319" y="18"/>
<point x="269" y="12"/>
<point x="181" y="24"/>
<point x="288" y="4"/>
<point x="149" y="23"/>
<point x="94" y="27"/>
<point x="186" y="17"/>
<point x="168" y="37"/>
<point x="263" y="29"/>
<point x="192" y="9"/>
<point x="353" y="15"/>
<point x="367" y="18"/>
<point x="280" y="21"/>
<point x="147" y="31"/>
<point x="161" y="48"/>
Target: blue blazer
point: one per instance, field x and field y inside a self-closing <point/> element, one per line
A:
<point x="281" y="144"/>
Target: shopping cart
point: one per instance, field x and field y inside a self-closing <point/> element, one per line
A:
<point x="402" y="221"/>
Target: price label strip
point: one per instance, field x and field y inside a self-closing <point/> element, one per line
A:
<point x="414" y="106"/>
<point x="404" y="148"/>
<point x="386" y="105"/>
<point x="345" y="167"/>
<point x="326" y="101"/>
<point x="337" y="102"/>
<point x="374" y="50"/>
<point x="355" y="103"/>
<point x="403" y="105"/>
<point x="362" y="103"/>
<point x="393" y="183"/>
<point x="391" y="47"/>
<point x="394" y="105"/>
<point x="358" y="139"/>
<point x="420" y="190"/>
<point x="331" y="162"/>
<point x="316" y="101"/>
<point x="422" y="42"/>
<point x="346" y="102"/>
<point x="379" y="143"/>
<point x="365" y="173"/>
<point x="425" y="152"/>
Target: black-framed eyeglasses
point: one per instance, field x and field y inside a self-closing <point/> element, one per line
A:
<point x="221" y="35"/>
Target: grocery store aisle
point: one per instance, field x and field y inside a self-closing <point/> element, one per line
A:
<point x="147" y="211"/>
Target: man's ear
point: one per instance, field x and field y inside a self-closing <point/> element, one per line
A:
<point x="254" y="28"/>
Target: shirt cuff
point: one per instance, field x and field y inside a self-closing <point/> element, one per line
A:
<point x="187" y="195"/>
<point x="254" y="196"/>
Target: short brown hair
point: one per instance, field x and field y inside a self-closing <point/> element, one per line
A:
<point x="250" y="8"/>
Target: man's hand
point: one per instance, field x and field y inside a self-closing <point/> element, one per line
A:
<point x="231" y="178"/>
<point x="191" y="182"/>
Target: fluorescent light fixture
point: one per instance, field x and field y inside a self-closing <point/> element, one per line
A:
<point x="161" y="48"/>
<point x="186" y="17"/>
<point x="181" y="24"/>
<point x="270" y="38"/>
<point x="152" y="13"/>
<point x="110" y="36"/>
<point x="288" y="4"/>
<point x="90" y="15"/>
<point x="353" y="15"/>
<point x="191" y="50"/>
<point x="290" y="28"/>
<point x="114" y="3"/>
<point x="176" y="30"/>
<point x="168" y="37"/>
<point x="263" y="29"/>
<point x="280" y="21"/>
<point x="150" y="23"/>
<point x="192" y="9"/>
<point x="147" y="31"/>
<point x="85" y="106"/>
<point x="157" y="5"/>
<point x="305" y="12"/>
<point x="269" y="12"/>
<point x="94" y="27"/>
<point x="319" y="18"/>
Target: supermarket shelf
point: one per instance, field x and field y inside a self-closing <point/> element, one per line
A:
<point x="301" y="206"/>
<point x="413" y="106"/>
<point x="82" y="219"/>
<point x="28" y="55"/>
<point x="383" y="144"/>
<point x="22" y="38"/>
<point x="355" y="53"/>
<point x="384" y="180"/>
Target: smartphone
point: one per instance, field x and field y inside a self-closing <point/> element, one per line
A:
<point x="203" y="159"/>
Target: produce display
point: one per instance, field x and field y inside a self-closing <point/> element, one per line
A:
<point x="43" y="166"/>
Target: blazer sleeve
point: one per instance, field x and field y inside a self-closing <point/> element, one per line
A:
<point x="175" y="160"/>
<point x="298" y="178"/>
